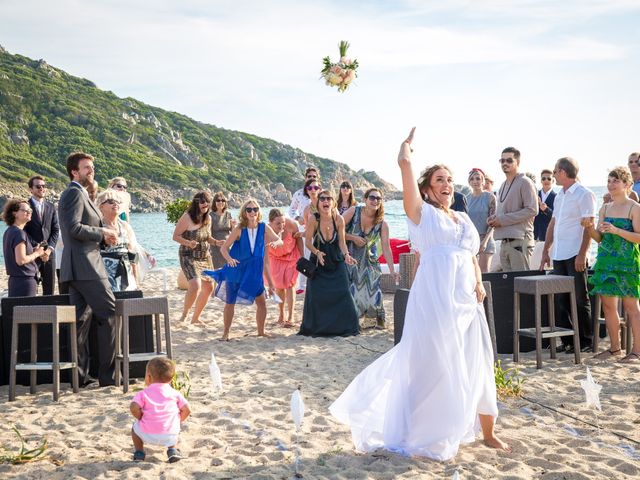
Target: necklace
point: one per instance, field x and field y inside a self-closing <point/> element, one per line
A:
<point x="508" y="190"/>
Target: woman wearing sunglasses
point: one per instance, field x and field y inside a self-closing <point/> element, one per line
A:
<point x="19" y="254"/>
<point x="118" y="258"/>
<point x="347" y="200"/>
<point x="329" y="309"/>
<point x="221" y="225"/>
<point x="193" y="233"/>
<point x="241" y="280"/>
<point x="119" y="185"/>
<point x="366" y="229"/>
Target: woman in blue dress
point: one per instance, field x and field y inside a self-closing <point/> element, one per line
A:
<point x="241" y="279"/>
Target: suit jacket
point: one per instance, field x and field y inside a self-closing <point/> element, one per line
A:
<point x="459" y="202"/>
<point x="542" y="219"/>
<point x="80" y="224"/>
<point x="43" y="229"/>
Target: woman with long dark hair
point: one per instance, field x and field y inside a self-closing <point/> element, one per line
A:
<point x="433" y="390"/>
<point x="193" y="233"/>
<point x="329" y="309"/>
<point x="221" y="225"/>
<point x="346" y="199"/>
<point x="19" y="255"/>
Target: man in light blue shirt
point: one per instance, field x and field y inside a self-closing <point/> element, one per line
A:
<point x="634" y="159"/>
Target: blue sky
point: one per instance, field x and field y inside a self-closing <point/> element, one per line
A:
<point x="474" y="76"/>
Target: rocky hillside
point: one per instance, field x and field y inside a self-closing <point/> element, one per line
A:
<point x="46" y="113"/>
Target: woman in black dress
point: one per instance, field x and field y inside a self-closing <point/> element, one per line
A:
<point x="19" y="255"/>
<point x="329" y="309"/>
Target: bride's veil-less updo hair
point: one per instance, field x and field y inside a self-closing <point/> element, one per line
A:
<point x="424" y="183"/>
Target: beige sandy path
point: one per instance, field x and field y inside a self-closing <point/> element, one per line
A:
<point x="247" y="432"/>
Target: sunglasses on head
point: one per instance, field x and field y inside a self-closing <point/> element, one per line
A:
<point x="313" y="187"/>
<point x="374" y="198"/>
<point x="252" y="209"/>
<point x="41" y="186"/>
<point x="325" y="199"/>
<point x="111" y="201"/>
<point x="507" y="160"/>
<point x="546" y="178"/>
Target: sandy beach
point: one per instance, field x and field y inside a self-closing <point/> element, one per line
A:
<point x="247" y="431"/>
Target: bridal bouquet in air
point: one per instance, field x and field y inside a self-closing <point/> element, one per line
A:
<point x="342" y="73"/>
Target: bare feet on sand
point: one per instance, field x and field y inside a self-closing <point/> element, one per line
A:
<point x="495" y="442"/>
<point x="266" y="335"/>
<point x="197" y="321"/>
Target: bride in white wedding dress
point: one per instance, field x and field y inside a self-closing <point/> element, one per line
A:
<point x="436" y="388"/>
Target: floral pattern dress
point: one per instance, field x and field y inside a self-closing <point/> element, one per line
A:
<point x="617" y="269"/>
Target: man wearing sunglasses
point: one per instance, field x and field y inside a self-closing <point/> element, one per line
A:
<point x="299" y="200"/>
<point x="516" y="207"/>
<point x="567" y="244"/>
<point x="546" y="198"/>
<point x="43" y="227"/>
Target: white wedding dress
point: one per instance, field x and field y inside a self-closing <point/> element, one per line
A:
<point x="424" y="395"/>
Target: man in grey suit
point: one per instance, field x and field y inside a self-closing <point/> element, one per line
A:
<point x="83" y="270"/>
<point x="43" y="227"/>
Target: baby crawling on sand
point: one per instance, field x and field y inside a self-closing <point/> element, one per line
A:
<point x="159" y="410"/>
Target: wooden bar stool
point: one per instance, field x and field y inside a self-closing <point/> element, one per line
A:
<point x="35" y="315"/>
<point x="134" y="307"/>
<point x="539" y="285"/>
<point x="626" y="337"/>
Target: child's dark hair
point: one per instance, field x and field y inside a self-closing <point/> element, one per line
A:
<point x="161" y="369"/>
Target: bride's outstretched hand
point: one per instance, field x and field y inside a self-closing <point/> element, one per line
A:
<point x="405" y="149"/>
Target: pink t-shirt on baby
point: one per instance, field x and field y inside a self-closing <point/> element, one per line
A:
<point x="160" y="405"/>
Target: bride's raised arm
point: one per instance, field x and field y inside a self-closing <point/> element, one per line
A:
<point x="411" y="198"/>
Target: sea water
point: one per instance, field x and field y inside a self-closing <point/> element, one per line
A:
<point x="154" y="232"/>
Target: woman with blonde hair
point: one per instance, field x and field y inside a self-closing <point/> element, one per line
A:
<point x="616" y="273"/>
<point x="119" y="258"/>
<point x="481" y="204"/>
<point x="366" y="228"/>
<point x="193" y="233"/>
<point x="119" y="185"/>
<point x="241" y="279"/>
<point x="329" y="309"/>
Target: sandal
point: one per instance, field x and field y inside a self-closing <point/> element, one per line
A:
<point x="174" y="455"/>
<point x="139" y="456"/>
<point x="633" y="357"/>
<point x="607" y="354"/>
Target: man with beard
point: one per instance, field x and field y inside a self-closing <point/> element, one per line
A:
<point x="83" y="271"/>
<point x="516" y="207"/>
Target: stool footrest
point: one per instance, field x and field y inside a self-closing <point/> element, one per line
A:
<point x="44" y="366"/>
<point x="546" y="332"/>
<point x="141" y="357"/>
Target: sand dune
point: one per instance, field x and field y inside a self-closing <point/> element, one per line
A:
<point x="248" y="432"/>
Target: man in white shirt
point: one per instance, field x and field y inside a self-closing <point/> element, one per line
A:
<point x="299" y="201"/>
<point x="569" y="243"/>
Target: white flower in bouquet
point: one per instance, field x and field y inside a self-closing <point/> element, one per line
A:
<point x="342" y="73"/>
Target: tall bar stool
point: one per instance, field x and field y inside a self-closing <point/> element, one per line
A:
<point x="539" y="285"/>
<point x="407" y="267"/>
<point x="134" y="307"/>
<point x="626" y="337"/>
<point x="34" y="315"/>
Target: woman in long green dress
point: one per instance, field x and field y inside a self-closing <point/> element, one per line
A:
<point x="616" y="273"/>
<point x="366" y="229"/>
